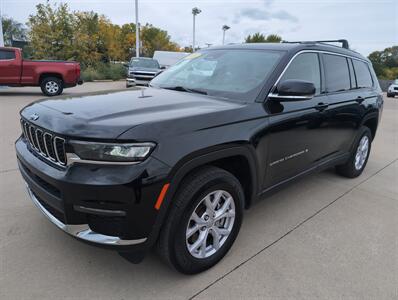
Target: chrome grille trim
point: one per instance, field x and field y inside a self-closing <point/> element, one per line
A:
<point x="39" y="131"/>
<point x="44" y="143"/>
<point x="57" y="154"/>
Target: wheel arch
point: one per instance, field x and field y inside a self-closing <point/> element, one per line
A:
<point x="214" y="157"/>
<point x="50" y="74"/>
<point x="371" y="121"/>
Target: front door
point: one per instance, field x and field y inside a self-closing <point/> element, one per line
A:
<point x="295" y="133"/>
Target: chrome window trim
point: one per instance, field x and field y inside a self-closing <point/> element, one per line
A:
<point x="276" y="96"/>
<point x="312" y="51"/>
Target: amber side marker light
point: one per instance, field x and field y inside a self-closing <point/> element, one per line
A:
<point x="161" y="196"/>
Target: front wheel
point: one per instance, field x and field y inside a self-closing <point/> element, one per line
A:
<point x="203" y="222"/>
<point x="389" y="95"/>
<point x="52" y="86"/>
<point x="359" y="156"/>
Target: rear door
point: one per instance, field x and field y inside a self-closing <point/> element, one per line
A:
<point x="295" y="137"/>
<point x="343" y="113"/>
<point x="10" y="68"/>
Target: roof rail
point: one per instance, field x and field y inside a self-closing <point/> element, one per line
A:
<point x="344" y="43"/>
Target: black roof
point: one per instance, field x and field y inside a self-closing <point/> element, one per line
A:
<point x="293" y="47"/>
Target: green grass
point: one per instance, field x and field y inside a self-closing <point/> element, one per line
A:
<point x="104" y="71"/>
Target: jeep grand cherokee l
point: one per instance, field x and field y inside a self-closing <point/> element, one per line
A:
<point x="174" y="166"/>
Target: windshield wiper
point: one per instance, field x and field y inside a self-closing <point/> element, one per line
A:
<point x="184" y="89"/>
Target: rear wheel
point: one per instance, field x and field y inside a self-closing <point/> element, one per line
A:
<point x="52" y="86"/>
<point x="359" y="157"/>
<point x="203" y="222"/>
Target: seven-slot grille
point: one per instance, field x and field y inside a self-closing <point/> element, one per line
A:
<point x="49" y="146"/>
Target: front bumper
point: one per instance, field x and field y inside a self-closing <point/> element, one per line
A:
<point x="104" y="205"/>
<point x="133" y="82"/>
<point x="82" y="231"/>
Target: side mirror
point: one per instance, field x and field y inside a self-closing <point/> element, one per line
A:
<point x="294" y="90"/>
<point x="163" y="68"/>
<point x="126" y="65"/>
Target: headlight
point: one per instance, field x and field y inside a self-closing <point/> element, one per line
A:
<point x="112" y="152"/>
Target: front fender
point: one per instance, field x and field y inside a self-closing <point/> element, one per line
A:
<point x="195" y="160"/>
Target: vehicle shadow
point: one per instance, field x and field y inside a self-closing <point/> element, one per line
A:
<point x="9" y="93"/>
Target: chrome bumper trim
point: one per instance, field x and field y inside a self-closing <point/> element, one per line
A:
<point x="83" y="231"/>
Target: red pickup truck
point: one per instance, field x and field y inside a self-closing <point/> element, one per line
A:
<point x="51" y="76"/>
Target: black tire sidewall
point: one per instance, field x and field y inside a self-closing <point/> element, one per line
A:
<point x="351" y="170"/>
<point x="181" y="258"/>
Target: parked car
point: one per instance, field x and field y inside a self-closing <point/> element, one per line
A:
<point x="51" y="76"/>
<point x="168" y="58"/>
<point x="393" y="89"/>
<point x="141" y="70"/>
<point x="174" y="166"/>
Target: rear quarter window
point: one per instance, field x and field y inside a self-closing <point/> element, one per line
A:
<point x="4" y="55"/>
<point x="362" y="72"/>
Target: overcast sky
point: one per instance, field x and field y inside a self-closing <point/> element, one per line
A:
<point x="368" y="24"/>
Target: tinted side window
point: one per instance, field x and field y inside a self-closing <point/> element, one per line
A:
<point x="305" y="67"/>
<point x="7" y="55"/>
<point x="337" y="74"/>
<point x="364" y="79"/>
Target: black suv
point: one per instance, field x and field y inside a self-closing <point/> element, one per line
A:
<point x="175" y="165"/>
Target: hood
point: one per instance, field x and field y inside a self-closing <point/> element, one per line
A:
<point x="107" y="116"/>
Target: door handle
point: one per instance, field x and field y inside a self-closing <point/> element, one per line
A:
<point x="321" y="106"/>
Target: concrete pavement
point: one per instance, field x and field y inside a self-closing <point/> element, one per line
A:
<point x="322" y="237"/>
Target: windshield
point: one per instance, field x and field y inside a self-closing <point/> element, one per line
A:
<point x="144" y="63"/>
<point x="232" y="74"/>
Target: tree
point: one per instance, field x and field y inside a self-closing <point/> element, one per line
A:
<point x="52" y="32"/>
<point x="154" y="39"/>
<point x="256" y="38"/>
<point x="261" y="38"/>
<point x="12" y="30"/>
<point x="273" y="38"/>
<point x="87" y="37"/>
<point x="385" y="63"/>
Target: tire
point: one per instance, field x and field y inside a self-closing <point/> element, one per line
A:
<point x="173" y="243"/>
<point x="390" y="95"/>
<point x="357" y="162"/>
<point x="52" y="86"/>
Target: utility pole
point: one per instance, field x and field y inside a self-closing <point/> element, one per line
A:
<point x="195" y="12"/>
<point x="137" y="31"/>
<point x="224" y="29"/>
<point x="1" y="29"/>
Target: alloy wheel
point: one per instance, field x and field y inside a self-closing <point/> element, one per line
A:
<point x="210" y="224"/>
<point x="362" y="152"/>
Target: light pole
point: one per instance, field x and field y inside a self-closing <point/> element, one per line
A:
<point x="137" y="31"/>
<point x="224" y="29"/>
<point x="1" y="29"/>
<point x="195" y="12"/>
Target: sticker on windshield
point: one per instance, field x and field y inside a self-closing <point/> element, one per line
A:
<point x="192" y="56"/>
